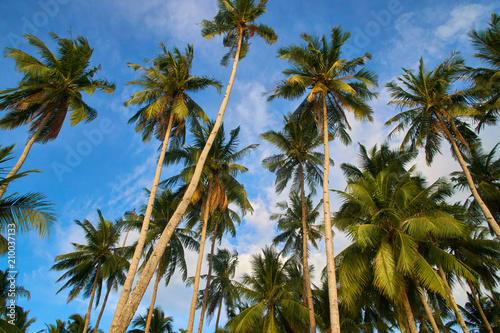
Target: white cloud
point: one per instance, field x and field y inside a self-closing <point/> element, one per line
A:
<point x="462" y="19"/>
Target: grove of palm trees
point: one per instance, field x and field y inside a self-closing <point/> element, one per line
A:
<point x="343" y="175"/>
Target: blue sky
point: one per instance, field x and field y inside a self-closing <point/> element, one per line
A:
<point x="105" y="165"/>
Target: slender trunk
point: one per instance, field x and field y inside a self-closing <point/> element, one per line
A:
<point x="455" y="308"/>
<point x="194" y="299"/>
<point x="102" y="309"/>
<point x="153" y="299"/>
<point x="144" y="230"/>
<point x="432" y="321"/>
<point x="330" y="258"/>
<point x="209" y="278"/>
<point x="409" y="314"/>
<point x="218" y="311"/>
<point x="487" y="213"/>
<point x="479" y="307"/>
<point x="87" y="317"/>
<point x="128" y="311"/>
<point x="126" y="235"/>
<point x="24" y="154"/>
<point x="305" y="263"/>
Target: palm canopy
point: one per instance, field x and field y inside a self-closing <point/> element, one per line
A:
<point x="297" y="157"/>
<point x="159" y="322"/>
<point x="167" y="84"/>
<point x="431" y="109"/>
<point x="272" y="307"/>
<point x="51" y="87"/>
<point x="236" y="19"/>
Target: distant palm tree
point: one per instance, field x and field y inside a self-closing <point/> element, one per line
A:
<point x="331" y="85"/>
<point x="92" y="261"/>
<point x="76" y="324"/>
<point x="159" y="324"/>
<point x="59" y="327"/>
<point x="5" y="279"/>
<point x="431" y="110"/>
<point x="21" y="321"/>
<point x="235" y="20"/>
<point x="165" y="104"/>
<point x="49" y="89"/>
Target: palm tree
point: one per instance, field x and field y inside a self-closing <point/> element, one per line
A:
<point x="217" y="188"/>
<point x="389" y="216"/>
<point x="235" y="20"/>
<point x="51" y="87"/>
<point x="91" y="262"/>
<point x="165" y="102"/>
<point x="76" y="324"/>
<point x="486" y="82"/>
<point x="431" y="111"/>
<point x="334" y="85"/>
<point x="22" y="322"/>
<point x="22" y="213"/>
<point x="159" y="324"/>
<point x="5" y="278"/>
<point x="272" y="307"/>
<point x="59" y="327"/>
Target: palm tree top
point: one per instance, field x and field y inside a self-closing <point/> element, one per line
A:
<point x="236" y="18"/>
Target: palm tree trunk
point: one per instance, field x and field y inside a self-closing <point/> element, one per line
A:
<point x="432" y="321"/>
<point x="409" y="314"/>
<point x="460" y="319"/>
<point x="87" y="316"/>
<point x="479" y="307"/>
<point x="487" y="213"/>
<point x="330" y="259"/>
<point x="209" y="277"/>
<point x="102" y="309"/>
<point x="305" y="263"/>
<point x="126" y="236"/>
<point x="218" y="311"/>
<point x="24" y="154"/>
<point x="153" y="299"/>
<point x="196" y="286"/>
<point x="127" y="310"/>
<point x="144" y="230"/>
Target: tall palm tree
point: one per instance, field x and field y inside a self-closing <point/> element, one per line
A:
<point x="51" y="87"/>
<point x="165" y="102"/>
<point x="272" y="307"/>
<point x="218" y="186"/>
<point x="92" y="261"/>
<point x="159" y="324"/>
<point x="431" y="111"/>
<point x="332" y="85"/>
<point x="235" y="20"/>
<point x="388" y="217"/>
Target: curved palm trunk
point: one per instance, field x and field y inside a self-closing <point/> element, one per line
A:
<point x="196" y="286"/>
<point x="487" y="213"/>
<point x="409" y="314"/>
<point x="460" y="319"/>
<point x="479" y="307"/>
<point x="153" y="299"/>
<point x="428" y="311"/>
<point x="305" y="263"/>
<point x="102" y="309"/>
<point x="24" y="154"/>
<point x="87" y="316"/>
<point x="330" y="259"/>
<point x="209" y="278"/>
<point x="128" y="310"/>
<point x="218" y="311"/>
<point x="144" y="230"/>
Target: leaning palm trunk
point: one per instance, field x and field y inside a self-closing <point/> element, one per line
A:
<point x="410" y="319"/>
<point x="330" y="259"/>
<point x="24" y="154"/>
<point x="87" y="317"/>
<point x="128" y="310"/>
<point x="460" y="319"/>
<point x="194" y="299"/>
<point x="153" y="298"/>
<point x="428" y="311"/>
<point x="218" y="311"/>
<point x="305" y="263"/>
<point x="479" y="307"/>
<point x="145" y="226"/>
<point x="487" y="213"/>
<point x="209" y="278"/>
<point x="102" y="309"/>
